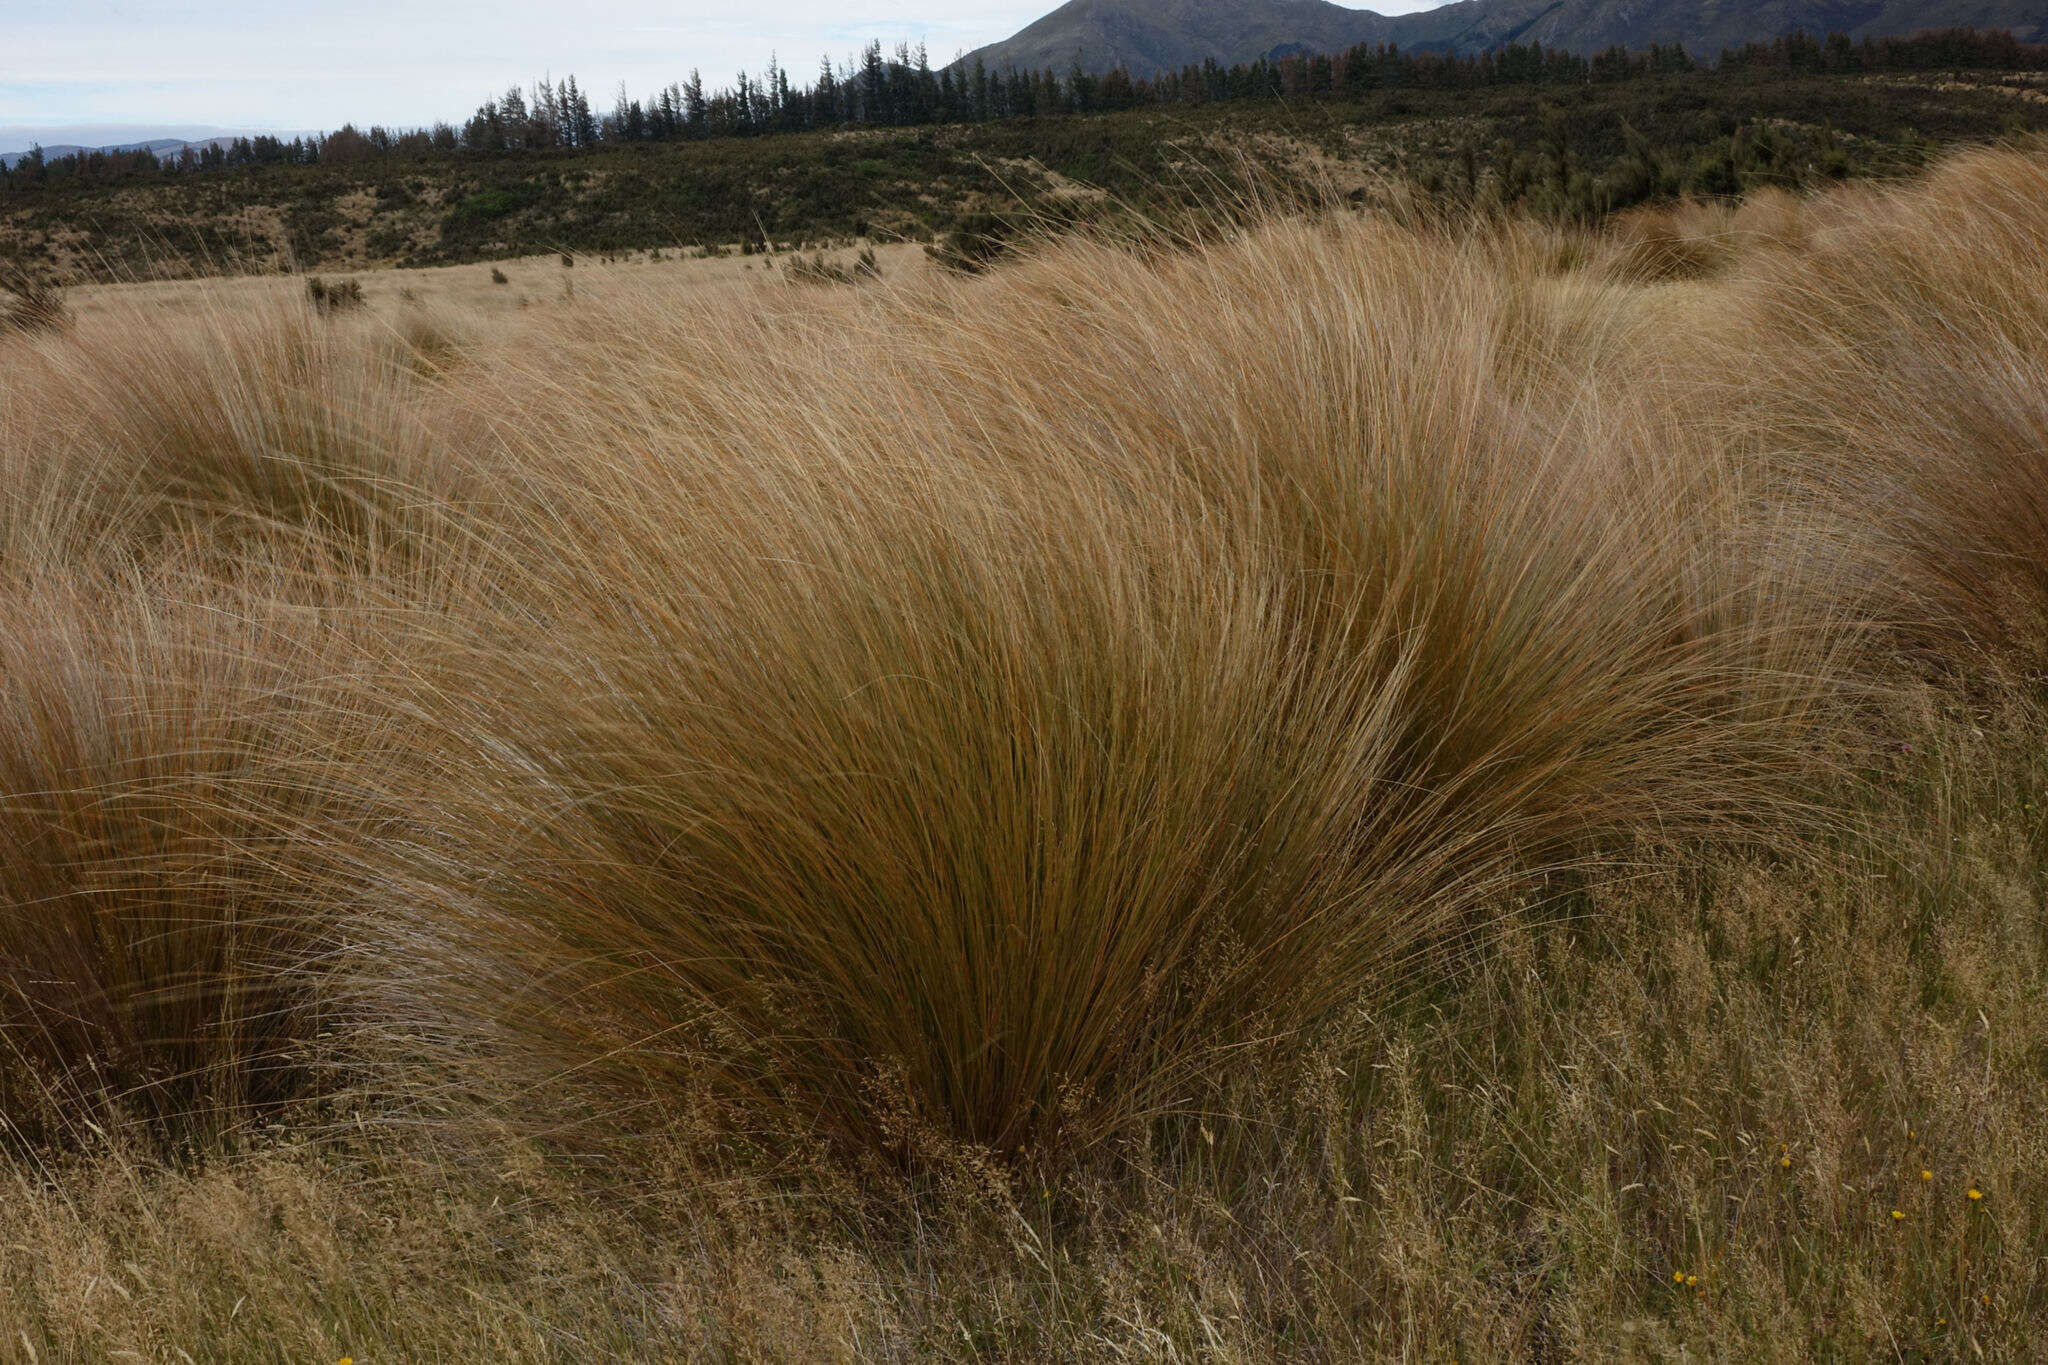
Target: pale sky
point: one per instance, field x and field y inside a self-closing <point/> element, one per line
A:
<point x="198" y="65"/>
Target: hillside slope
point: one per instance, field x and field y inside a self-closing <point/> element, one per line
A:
<point x="914" y="183"/>
<point x="1703" y="28"/>
<point x="1148" y="36"/>
<point x="1153" y="35"/>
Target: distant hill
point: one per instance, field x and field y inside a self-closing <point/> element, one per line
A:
<point x="1704" y="27"/>
<point x="1148" y="36"/>
<point x="162" y="146"/>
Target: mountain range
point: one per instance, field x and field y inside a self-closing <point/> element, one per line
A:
<point x="1149" y="36"/>
<point x="162" y="146"/>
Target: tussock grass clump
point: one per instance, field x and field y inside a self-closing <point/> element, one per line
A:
<point x="232" y="427"/>
<point x="1897" y="360"/>
<point x="169" y="803"/>
<point x="36" y="305"/>
<point x="429" y="342"/>
<point x="1684" y="241"/>
<point x="1699" y="239"/>
<point x="1522" y="1162"/>
<point x="1043" y="707"/>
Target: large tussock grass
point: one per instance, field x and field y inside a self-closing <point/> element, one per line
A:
<point x="264" y="425"/>
<point x="991" y="725"/>
<point x="1897" y="357"/>
<point x="1097" y="747"/>
<point x="176" y="760"/>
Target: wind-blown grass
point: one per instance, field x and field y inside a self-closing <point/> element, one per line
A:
<point x="277" y="423"/>
<point x="984" y="729"/>
<point x="169" y="804"/>
<point x="1897" y="359"/>
<point x="1334" y="790"/>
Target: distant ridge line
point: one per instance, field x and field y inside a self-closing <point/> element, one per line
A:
<point x="1148" y="37"/>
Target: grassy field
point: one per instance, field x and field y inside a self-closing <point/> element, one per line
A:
<point x="1360" y="786"/>
<point x="473" y="296"/>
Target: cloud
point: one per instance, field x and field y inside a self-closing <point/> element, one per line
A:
<point x="301" y="65"/>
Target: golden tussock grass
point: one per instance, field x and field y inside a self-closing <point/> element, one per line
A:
<point x="173" y="769"/>
<point x="232" y="425"/>
<point x="1334" y="789"/>
<point x="1038" y="709"/>
<point x="1905" y="379"/>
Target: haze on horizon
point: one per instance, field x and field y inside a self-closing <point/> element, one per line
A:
<point x="101" y="71"/>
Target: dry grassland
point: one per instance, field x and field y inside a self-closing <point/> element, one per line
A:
<point x="1345" y="789"/>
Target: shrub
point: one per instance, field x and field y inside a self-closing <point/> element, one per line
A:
<point x="818" y="270"/>
<point x="978" y="242"/>
<point x="37" y="306"/>
<point x="493" y="203"/>
<point x="342" y="296"/>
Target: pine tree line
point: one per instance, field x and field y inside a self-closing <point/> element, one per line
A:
<point x="902" y="89"/>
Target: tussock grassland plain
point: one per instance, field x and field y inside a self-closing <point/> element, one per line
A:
<point x="1344" y="786"/>
<point x="474" y="292"/>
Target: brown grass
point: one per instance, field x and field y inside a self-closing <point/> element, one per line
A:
<point x="174" y="757"/>
<point x="247" y="426"/>
<point x="1898" y="358"/>
<point x="810" y="788"/>
<point x="1336" y="791"/>
<point x="34" y="305"/>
